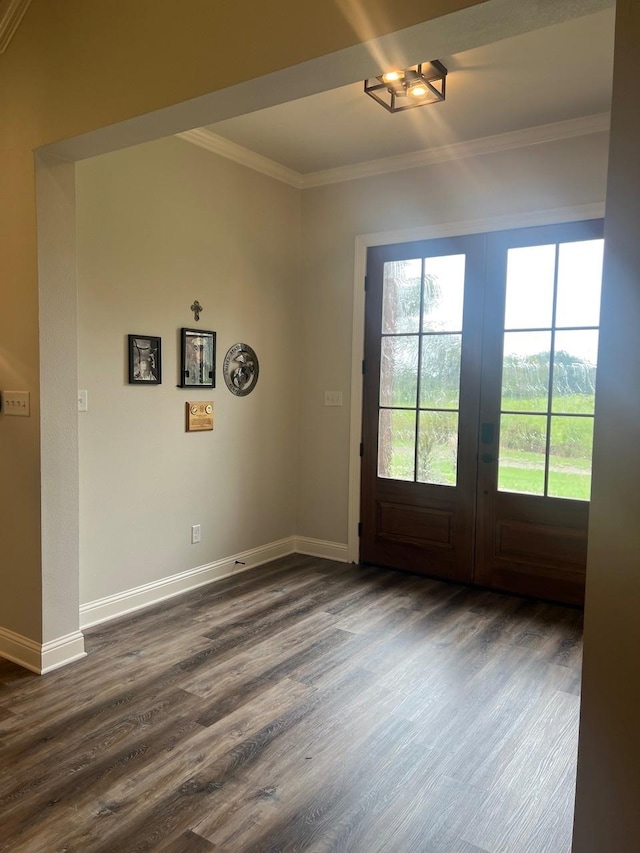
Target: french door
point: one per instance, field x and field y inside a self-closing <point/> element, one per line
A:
<point x="480" y="358"/>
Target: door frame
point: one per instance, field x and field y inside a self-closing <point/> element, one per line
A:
<point x="551" y="216"/>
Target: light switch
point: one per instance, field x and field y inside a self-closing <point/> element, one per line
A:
<point x="333" y="398"/>
<point x="83" y="401"/>
<point x="16" y="403"/>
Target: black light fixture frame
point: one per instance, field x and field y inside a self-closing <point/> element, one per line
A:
<point x="431" y="74"/>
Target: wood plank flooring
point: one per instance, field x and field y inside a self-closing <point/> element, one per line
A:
<point x="303" y="706"/>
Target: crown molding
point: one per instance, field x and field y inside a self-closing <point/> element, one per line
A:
<point x="11" y="13"/>
<point x="538" y="135"/>
<point x="462" y="150"/>
<point x="239" y="154"/>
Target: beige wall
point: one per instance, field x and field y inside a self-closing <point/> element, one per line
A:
<point x="542" y="177"/>
<point x="608" y="796"/>
<point x="73" y="67"/>
<point x="164" y="223"/>
<point x="159" y="226"/>
<point x="58" y="300"/>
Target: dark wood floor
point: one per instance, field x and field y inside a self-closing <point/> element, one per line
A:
<point x="302" y="706"/>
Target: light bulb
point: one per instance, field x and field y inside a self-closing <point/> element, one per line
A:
<point x="418" y="91"/>
<point x="392" y="76"/>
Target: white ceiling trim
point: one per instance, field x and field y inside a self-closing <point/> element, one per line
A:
<point x="239" y="154"/>
<point x="11" y="13"/>
<point x="462" y="150"/>
<point x="568" y="129"/>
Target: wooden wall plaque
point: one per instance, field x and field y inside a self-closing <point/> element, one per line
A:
<point x="199" y="415"/>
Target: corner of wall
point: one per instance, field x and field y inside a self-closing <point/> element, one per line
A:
<point x="41" y="657"/>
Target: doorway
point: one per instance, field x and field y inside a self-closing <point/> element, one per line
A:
<point x="478" y="407"/>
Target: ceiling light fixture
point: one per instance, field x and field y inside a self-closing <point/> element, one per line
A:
<point x="404" y="89"/>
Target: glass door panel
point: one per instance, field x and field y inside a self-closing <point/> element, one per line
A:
<point x="526" y="363"/>
<point x="579" y="283"/>
<point x="420" y="358"/>
<point x="570" y="450"/>
<point x="554" y="289"/>
<point x="530" y="278"/>
<point x="440" y="362"/>
<point x="399" y="371"/>
<point x="575" y="358"/>
<point x="438" y="448"/>
<point x="397" y="444"/>
<point x="402" y="285"/>
<point x="443" y="295"/>
<point x="523" y="443"/>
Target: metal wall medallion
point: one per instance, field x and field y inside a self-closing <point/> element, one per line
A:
<point x="240" y="369"/>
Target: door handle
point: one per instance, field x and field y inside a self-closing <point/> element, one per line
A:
<point x="486" y="433"/>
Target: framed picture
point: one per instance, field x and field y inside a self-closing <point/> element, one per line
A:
<point x="198" y="358"/>
<point x="145" y="360"/>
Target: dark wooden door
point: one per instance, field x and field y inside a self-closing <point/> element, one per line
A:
<point x="479" y="365"/>
<point x="537" y="409"/>
<point x="420" y="406"/>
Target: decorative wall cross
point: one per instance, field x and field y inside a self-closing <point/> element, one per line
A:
<point x="196" y="308"/>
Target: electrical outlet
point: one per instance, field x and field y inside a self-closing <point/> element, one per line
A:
<point x="195" y="534"/>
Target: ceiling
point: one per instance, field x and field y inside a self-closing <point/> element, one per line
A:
<point x="547" y="75"/>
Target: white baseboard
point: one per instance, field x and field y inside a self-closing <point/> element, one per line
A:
<point x="45" y="657"/>
<point x="62" y="651"/>
<point x="20" y="650"/>
<point x="319" y="548"/>
<point x="130" y="600"/>
<point x="41" y="657"/>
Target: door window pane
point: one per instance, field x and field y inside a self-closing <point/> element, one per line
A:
<point x="525" y="371"/>
<point x="440" y="371"/>
<point x="399" y="371"/>
<point x="443" y="293"/>
<point x="530" y="278"/>
<point x="579" y="283"/>
<point x="438" y="448"/>
<point x="396" y="444"/>
<point x="570" y="458"/>
<point x="401" y="296"/>
<point x="574" y="372"/>
<point x="523" y="440"/>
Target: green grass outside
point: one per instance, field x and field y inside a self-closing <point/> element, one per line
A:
<point x="565" y="404"/>
<point x="527" y="480"/>
<point x="522" y="458"/>
<point x="521" y="453"/>
<point x="562" y="484"/>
